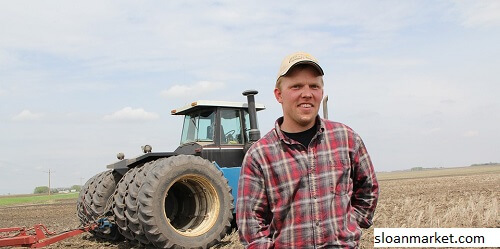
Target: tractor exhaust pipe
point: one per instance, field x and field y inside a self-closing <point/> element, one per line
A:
<point x="325" y="107"/>
<point x="254" y="132"/>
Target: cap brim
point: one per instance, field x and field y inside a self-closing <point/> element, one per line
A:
<point x="312" y="63"/>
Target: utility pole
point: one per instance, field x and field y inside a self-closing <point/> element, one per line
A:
<point x="49" y="177"/>
<point x="49" y="181"/>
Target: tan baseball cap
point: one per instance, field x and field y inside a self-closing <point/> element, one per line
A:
<point x="296" y="59"/>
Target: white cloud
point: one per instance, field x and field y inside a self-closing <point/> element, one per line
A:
<point x="479" y="13"/>
<point x="388" y="62"/>
<point x="430" y="131"/>
<point x="435" y="89"/>
<point x="84" y="86"/>
<point x="202" y="87"/>
<point x="471" y="133"/>
<point x="130" y="114"/>
<point x="110" y="36"/>
<point x="27" y="115"/>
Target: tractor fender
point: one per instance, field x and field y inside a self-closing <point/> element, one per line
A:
<point x="124" y="165"/>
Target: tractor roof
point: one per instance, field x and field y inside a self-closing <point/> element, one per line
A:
<point x="210" y="103"/>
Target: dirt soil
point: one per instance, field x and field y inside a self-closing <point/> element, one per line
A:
<point x="60" y="216"/>
<point x="450" y="201"/>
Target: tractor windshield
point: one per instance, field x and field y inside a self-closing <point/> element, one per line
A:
<point x="198" y="127"/>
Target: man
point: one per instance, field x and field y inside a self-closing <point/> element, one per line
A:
<point x="309" y="182"/>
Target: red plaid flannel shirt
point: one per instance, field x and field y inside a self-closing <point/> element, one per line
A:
<point x="290" y="196"/>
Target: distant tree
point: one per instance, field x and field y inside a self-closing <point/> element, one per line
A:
<point x="76" y="187"/>
<point x="41" y="190"/>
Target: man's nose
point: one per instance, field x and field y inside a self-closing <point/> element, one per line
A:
<point x="307" y="92"/>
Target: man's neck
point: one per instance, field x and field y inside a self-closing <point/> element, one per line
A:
<point x="303" y="137"/>
<point x="295" y="127"/>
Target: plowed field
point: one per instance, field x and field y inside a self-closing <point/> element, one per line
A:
<point x="460" y="197"/>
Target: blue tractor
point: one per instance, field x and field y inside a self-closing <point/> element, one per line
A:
<point x="179" y="199"/>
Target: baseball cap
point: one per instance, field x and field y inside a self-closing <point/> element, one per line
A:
<point x="296" y="59"/>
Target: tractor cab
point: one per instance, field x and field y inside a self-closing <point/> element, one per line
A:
<point x="219" y="131"/>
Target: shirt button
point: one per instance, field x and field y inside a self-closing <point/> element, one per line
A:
<point x="317" y="223"/>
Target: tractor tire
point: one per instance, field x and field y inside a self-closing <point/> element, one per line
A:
<point x="119" y="207"/>
<point x="81" y="205"/>
<point x="131" y="203"/>
<point x="185" y="202"/>
<point x="94" y="202"/>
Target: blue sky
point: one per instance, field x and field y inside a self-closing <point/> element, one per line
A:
<point x="80" y="82"/>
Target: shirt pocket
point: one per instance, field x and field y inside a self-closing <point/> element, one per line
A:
<point x="340" y="179"/>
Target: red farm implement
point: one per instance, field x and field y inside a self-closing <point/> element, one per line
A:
<point x="36" y="236"/>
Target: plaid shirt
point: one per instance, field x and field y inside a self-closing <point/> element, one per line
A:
<point x="290" y="196"/>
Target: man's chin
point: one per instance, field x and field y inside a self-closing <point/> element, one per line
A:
<point x="306" y="121"/>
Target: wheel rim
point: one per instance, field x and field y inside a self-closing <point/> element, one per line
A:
<point x="191" y="205"/>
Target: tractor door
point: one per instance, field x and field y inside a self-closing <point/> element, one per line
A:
<point x="232" y="138"/>
<point x="229" y="138"/>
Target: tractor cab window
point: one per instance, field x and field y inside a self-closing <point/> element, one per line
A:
<point x="231" y="132"/>
<point x="198" y="127"/>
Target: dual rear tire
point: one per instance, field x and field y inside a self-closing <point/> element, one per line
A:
<point x="94" y="202"/>
<point x="177" y="202"/>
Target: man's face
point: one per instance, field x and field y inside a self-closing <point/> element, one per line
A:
<point x="300" y="95"/>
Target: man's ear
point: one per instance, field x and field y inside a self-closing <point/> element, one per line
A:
<point x="277" y="94"/>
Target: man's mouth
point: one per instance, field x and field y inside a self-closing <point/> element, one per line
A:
<point x="305" y="105"/>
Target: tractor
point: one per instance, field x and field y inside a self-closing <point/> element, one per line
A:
<point x="179" y="199"/>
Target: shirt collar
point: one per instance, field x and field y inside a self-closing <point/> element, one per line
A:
<point x="320" y="123"/>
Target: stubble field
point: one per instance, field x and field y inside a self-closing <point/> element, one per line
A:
<point x="458" y="197"/>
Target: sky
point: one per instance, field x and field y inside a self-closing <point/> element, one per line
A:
<point x="82" y="81"/>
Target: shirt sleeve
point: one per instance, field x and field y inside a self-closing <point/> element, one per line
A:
<point x="252" y="208"/>
<point x="365" y="186"/>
